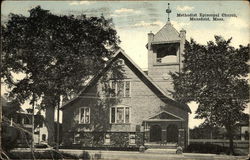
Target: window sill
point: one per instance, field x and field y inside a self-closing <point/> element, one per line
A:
<point x="120" y="123"/>
<point x="119" y="97"/>
<point x="83" y="123"/>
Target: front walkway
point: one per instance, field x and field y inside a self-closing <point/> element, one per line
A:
<point x="129" y="155"/>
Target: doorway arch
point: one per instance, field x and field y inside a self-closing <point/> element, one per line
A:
<point x="172" y="133"/>
<point x="155" y="133"/>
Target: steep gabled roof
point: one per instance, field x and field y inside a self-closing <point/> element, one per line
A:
<point x="136" y="69"/>
<point x="166" y="34"/>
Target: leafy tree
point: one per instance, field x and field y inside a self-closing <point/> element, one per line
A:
<point x="57" y="54"/>
<point x="10" y="108"/>
<point x="205" y="131"/>
<point x="103" y="98"/>
<point x="9" y="133"/>
<point x="214" y="75"/>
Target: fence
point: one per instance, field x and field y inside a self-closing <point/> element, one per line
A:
<point x="222" y="142"/>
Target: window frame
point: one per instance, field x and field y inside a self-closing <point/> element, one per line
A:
<point x="124" y="87"/>
<point x="44" y="137"/>
<point x="124" y="114"/>
<point x="80" y="109"/>
<point x="25" y="120"/>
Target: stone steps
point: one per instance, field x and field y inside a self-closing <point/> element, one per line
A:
<point x="161" y="151"/>
<point x="160" y="146"/>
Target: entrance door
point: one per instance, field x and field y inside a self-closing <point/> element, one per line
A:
<point x="172" y="134"/>
<point x="155" y="133"/>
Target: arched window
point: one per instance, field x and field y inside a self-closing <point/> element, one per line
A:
<point x="155" y="133"/>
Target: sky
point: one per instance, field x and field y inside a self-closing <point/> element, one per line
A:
<point x="133" y="20"/>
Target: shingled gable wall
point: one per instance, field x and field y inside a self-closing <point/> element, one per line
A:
<point x="143" y="102"/>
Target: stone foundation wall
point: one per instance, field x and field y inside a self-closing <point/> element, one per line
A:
<point x="102" y="139"/>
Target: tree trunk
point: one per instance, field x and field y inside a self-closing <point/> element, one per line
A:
<point x="49" y="123"/>
<point x="58" y="127"/>
<point x="33" y="127"/>
<point x="230" y="136"/>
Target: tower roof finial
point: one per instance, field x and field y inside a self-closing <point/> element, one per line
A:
<point x="168" y="11"/>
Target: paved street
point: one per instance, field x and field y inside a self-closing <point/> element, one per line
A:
<point x="128" y="155"/>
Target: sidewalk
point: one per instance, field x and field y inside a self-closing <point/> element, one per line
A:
<point x="129" y="155"/>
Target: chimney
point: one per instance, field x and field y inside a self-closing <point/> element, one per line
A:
<point x="150" y="39"/>
<point x="182" y="46"/>
<point x="150" y="51"/>
<point x="183" y="34"/>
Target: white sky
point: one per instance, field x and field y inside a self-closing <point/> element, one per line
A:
<point x="133" y="20"/>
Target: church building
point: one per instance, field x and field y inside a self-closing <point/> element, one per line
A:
<point x="123" y="106"/>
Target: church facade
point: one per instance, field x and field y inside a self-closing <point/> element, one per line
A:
<point x="128" y="107"/>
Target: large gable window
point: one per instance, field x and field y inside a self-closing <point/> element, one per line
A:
<point x="120" y="88"/>
<point x="84" y="115"/>
<point x="120" y="114"/>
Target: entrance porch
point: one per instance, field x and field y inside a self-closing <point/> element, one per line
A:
<point x="164" y="130"/>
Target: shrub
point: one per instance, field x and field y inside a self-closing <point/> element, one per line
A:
<point x="9" y="137"/>
<point x="98" y="139"/>
<point x="50" y="154"/>
<point x="119" y="139"/>
<point x="139" y="138"/>
<point x="86" y="139"/>
<point x="85" y="155"/>
<point x="68" y="138"/>
<point x="206" y="148"/>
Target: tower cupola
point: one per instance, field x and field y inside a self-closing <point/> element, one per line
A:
<point x="165" y="53"/>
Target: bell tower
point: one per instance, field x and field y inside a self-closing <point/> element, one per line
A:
<point x="165" y="54"/>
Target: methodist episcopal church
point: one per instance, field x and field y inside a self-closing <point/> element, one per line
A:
<point x="134" y="109"/>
